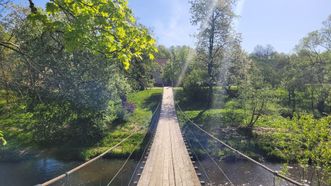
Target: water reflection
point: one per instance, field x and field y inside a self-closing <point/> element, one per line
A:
<point x="31" y="172"/>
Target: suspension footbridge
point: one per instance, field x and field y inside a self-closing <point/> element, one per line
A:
<point x="169" y="155"/>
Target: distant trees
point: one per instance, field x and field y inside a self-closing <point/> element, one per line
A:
<point x="263" y="51"/>
<point x="179" y="59"/>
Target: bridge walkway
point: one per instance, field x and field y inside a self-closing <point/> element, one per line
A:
<point x="168" y="162"/>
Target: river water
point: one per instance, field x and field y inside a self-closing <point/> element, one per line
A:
<point x="239" y="172"/>
<point x="36" y="171"/>
<point x="32" y="172"/>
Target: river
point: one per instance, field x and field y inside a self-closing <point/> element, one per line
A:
<point x="32" y="172"/>
<point x="36" y="171"/>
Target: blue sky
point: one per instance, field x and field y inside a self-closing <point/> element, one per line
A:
<point x="281" y="23"/>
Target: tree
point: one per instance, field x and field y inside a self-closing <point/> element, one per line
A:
<point x="263" y="52"/>
<point x="141" y="72"/>
<point x="253" y="97"/>
<point x="326" y="33"/>
<point x="239" y="65"/>
<point x="214" y="19"/>
<point x="270" y="63"/>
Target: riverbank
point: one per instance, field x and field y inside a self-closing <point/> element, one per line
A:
<point x="21" y="147"/>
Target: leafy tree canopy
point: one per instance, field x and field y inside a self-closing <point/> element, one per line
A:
<point x="103" y="27"/>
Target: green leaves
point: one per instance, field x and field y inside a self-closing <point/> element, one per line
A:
<point x="104" y="27"/>
<point x="2" y="139"/>
<point x="51" y="8"/>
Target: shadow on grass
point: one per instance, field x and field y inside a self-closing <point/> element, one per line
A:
<point x="152" y="101"/>
<point x="187" y="104"/>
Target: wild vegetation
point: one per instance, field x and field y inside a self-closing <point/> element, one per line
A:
<point x="69" y="74"/>
<point x="77" y="72"/>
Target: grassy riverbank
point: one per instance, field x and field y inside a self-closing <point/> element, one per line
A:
<point x="17" y="124"/>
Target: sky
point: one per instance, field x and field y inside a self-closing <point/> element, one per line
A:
<point x="280" y="23"/>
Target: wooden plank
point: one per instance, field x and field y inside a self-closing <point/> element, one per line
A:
<point x="168" y="162"/>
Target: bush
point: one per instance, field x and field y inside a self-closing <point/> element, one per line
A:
<point x="52" y="119"/>
<point x="193" y="86"/>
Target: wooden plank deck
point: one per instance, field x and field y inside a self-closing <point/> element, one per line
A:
<point x="168" y="162"/>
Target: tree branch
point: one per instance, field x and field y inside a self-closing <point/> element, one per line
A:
<point x="32" y="7"/>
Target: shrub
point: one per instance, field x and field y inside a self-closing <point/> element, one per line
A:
<point x="193" y="86"/>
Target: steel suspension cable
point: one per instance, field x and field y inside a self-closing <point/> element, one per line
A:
<point x="86" y="163"/>
<point x="276" y="173"/>
<point x="211" y="158"/>
<point x="121" y="168"/>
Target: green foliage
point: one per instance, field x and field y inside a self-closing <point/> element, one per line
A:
<point x="145" y="102"/>
<point x="280" y="102"/>
<point x="63" y="64"/>
<point x="194" y="86"/>
<point x="216" y="38"/>
<point x="303" y="139"/>
<point x="307" y="141"/>
<point x="2" y="139"/>
<point x="139" y="76"/>
<point x="22" y="131"/>
<point x="52" y="120"/>
<point x="66" y="69"/>
<point x="106" y="27"/>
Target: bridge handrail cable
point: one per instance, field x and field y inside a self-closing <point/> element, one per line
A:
<point x="211" y="158"/>
<point x="199" y="161"/>
<point x="276" y="173"/>
<point x="126" y="161"/>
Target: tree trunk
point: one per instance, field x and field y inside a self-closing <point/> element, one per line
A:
<point x="312" y="100"/>
<point x="293" y="102"/>
<point x="289" y="98"/>
<point x="210" y="95"/>
<point x="210" y="60"/>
